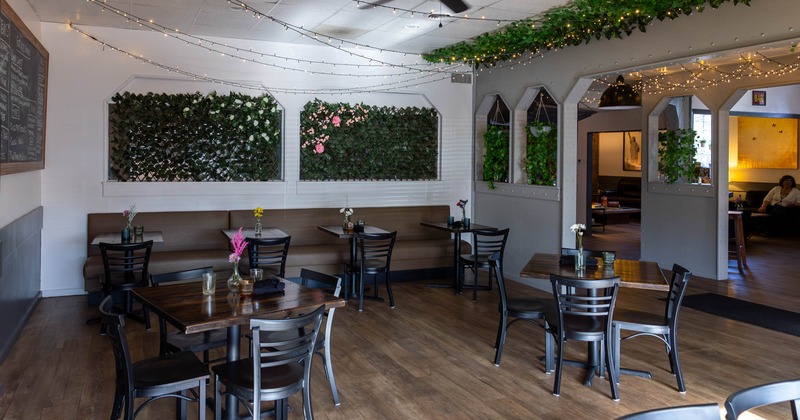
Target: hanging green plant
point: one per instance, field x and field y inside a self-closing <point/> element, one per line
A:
<point x="541" y="159"/>
<point x="575" y="23"/>
<point x="495" y="161"/>
<point x="676" y="155"/>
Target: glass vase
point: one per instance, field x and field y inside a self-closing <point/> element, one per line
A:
<point x="580" y="261"/>
<point x="258" y="227"/>
<point x="347" y="225"/>
<point x="234" y="279"/>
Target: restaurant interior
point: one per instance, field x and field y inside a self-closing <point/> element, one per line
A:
<point x="295" y="72"/>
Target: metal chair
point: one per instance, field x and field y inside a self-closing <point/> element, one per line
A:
<point x="168" y="375"/>
<point x="584" y="309"/>
<point x="374" y="256"/>
<point x="177" y="341"/>
<point x="277" y="370"/>
<point x="269" y="254"/>
<point x="322" y="347"/>
<point x="684" y="412"/>
<point x="521" y="309"/>
<point x="125" y="267"/>
<point x="662" y="326"/>
<point x="485" y="242"/>
<point x="761" y="395"/>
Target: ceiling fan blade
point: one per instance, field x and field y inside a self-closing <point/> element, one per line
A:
<point x="457" y="6"/>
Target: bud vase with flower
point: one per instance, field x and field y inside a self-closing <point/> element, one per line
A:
<point x="129" y="215"/>
<point x="347" y="224"/>
<point x="462" y="204"/>
<point x="238" y="243"/>
<point x="258" y="213"/>
<point x="578" y="229"/>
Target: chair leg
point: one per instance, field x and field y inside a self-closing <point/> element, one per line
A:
<point x="361" y="291"/>
<point x="612" y="379"/>
<point x="616" y="342"/>
<point x="675" y="362"/>
<point x="201" y="400"/>
<point x="559" y="365"/>
<point x="326" y="361"/>
<point x="501" y="339"/>
<point x="217" y="398"/>
<point x="475" y="284"/>
<point x="119" y="397"/>
<point x="389" y="290"/>
<point x="549" y="343"/>
<point x="129" y="398"/>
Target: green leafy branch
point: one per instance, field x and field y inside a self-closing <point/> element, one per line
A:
<point x="572" y="24"/>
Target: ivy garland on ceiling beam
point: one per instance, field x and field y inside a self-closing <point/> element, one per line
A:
<point x="572" y="24"/>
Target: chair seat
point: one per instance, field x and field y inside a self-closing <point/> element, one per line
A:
<point x="527" y="308"/>
<point x="371" y="265"/>
<point x="641" y="321"/>
<point x="168" y="373"/>
<point x="238" y="378"/>
<point x="197" y="342"/>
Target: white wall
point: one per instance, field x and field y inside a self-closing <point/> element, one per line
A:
<point x="82" y="78"/>
<point x="679" y="224"/>
<point x="20" y="193"/>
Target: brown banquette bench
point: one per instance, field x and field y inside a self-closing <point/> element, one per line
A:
<point x="194" y="239"/>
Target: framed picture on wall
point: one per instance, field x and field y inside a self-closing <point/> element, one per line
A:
<point x="632" y="151"/>
<point x="760" y="97"/>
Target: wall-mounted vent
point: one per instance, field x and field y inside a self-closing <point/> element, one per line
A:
<point x="460" y="78"/>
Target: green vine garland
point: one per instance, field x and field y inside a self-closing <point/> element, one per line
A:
<point x="573" y="24"/>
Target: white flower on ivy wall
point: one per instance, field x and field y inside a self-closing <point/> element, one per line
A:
<point x="255" y="123"/>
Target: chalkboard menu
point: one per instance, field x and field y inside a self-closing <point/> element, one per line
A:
<point x="23" y="95"/>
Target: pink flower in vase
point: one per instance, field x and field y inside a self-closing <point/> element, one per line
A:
<point x="239" y="244"/>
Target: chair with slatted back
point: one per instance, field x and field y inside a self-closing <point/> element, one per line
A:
<point x="584" y="310"/>
<point x="662" y="326"/>
<point x="125" y="267"/>
<point x="684" y="412"/>
<point x="330" y="284"/>
<point x="177" y="341"/>
<point x="485" y="242"/>
<point x="532" y="310"/>
<point x="374" y="257"/>
<point x="277" y="370"/>
<point x="269" y="254"/>
<point x="154" y="378"/>
<point x="766" y="394"/>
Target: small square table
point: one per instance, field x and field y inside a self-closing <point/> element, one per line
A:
<point x="456" y="231"/>
<point x="266" y="233"/>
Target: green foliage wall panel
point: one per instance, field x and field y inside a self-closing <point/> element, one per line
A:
<point x="340" y="141"/>
<point x="194" y="137"/>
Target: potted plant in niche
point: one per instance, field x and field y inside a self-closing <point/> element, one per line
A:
<point x="676" y="155"/>
<point x="495" y="161"/>
<point x="541" y="160"/>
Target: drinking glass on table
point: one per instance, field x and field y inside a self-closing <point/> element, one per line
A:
<point x="209" y="283"/>
<point x="256" y="274"/>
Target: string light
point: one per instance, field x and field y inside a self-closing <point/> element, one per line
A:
<point x="257" y="86"/>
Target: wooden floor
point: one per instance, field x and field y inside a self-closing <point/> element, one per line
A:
<point x="431" y="356"/>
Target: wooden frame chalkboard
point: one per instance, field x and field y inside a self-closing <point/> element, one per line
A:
<point x="23" y="95"/>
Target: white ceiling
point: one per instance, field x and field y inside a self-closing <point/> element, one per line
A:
<point x="388" y="25"/>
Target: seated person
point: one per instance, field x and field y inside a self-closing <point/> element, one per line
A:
<point x="783" y="203"/>
<point x="783" y="195"/>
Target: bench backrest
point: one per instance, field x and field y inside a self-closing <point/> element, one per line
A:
<point x="183" y="230"/>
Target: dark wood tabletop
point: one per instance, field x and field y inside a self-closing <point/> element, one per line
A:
<point x="266" y="233"/>
<point x="184" y="305"/>
<point x="338" y="230"/>
<point x="632" y="273"/>
<point x="454" y="229"/>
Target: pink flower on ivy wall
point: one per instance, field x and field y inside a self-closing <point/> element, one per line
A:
<point x="319" y="149"/>
<point x="336" y="120"/>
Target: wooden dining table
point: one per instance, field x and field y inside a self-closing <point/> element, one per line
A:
<point x="632" y="273"/>
<point x="185" y="307"/>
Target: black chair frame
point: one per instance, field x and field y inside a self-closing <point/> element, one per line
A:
<point x="126" y="261"/>
<point x="485" y="243"/>
<point x="374" y="257"/>
<point x="269" y="254"/>
<point x="761" y="395"/>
